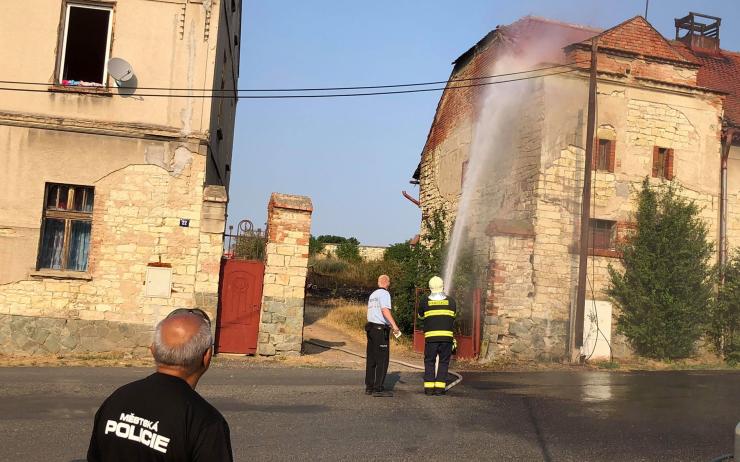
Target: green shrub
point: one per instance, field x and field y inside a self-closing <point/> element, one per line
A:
<point x="250" y="247"/>
<point x="665" y="290"/>
<point x="349" y="251"/>
<point x="314" y="246"/>
<point x="399" y="252"/>
<point x="723" y="328"/>
<point x="424" y="261"/>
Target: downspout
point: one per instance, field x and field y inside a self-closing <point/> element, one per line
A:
<point x="414" y="201"/>
<point x="726" y="144"/>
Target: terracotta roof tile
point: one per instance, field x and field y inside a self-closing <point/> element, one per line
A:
<point x="719" y="71"/>
<point x="638" y="36"/>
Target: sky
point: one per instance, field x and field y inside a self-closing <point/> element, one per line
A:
<point x="354" y="156"/>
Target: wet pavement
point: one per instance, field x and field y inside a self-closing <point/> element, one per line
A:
<point x="281" y="413"/>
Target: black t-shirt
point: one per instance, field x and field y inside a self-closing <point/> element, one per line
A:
<point x="159" y="418"/>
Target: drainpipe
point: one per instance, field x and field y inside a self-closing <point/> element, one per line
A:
<point x="407" y="196"/>
<point x="727" y="143"/>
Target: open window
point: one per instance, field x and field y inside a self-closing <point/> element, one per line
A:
<point x="66" y="227"/>
<point x="85" y="45"/>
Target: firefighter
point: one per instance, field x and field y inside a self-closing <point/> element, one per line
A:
<point x="438" y="313"/>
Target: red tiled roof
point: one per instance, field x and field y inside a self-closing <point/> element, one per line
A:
<point x="638" y="36"/>
<point x="719" y="71"/>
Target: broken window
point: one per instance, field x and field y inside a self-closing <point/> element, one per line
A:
<point x="663" y="163"/>
<point x="65" y="231"/>
<point x="85" y="45"/>
<point x="602" y="234"/>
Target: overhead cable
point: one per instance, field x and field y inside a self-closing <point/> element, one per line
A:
<point x="298" y="96"/>
<point x="276" y="90"/>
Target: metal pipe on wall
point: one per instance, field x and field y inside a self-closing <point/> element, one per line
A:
<point x="726" y="144"/>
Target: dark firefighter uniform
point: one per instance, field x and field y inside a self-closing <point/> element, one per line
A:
<point x="439" y="318"/>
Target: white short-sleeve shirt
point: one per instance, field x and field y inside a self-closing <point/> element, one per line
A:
<point x="379" y="299"/>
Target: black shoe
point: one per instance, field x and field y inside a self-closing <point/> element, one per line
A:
<point x="368" y="391"/>
<point x="383" y="394"/>
<point x="439" y="391"/>
<point x="428" y="391"/>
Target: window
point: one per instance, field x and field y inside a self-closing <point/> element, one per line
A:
<point x="65" y="231"/>
<point x="604" y="155"/>
<point x="464" y="171"/>
<point x="602" y="234"/>
<point x="85" y="45"/>
<point x="663" y="163"/>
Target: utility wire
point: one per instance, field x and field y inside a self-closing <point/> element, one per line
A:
<point x="275" y="90"/>
<point x="331" y="95"/>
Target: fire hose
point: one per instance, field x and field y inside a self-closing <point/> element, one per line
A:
<point x="457" y="381"/>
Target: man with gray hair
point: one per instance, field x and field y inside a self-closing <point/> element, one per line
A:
<point x="162" y="417"/>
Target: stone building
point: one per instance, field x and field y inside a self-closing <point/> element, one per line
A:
<point x="514" y="153"/>
<point x="114" y="192"/>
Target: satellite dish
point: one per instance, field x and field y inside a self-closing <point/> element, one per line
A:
<point x="120" y="70"/>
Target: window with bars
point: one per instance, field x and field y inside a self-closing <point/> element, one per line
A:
<point x="65" y="232"/>
<point x="602" y="234"/>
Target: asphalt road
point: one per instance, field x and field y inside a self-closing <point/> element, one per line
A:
<point x="281" y="413"/>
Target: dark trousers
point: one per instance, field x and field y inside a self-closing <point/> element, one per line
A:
<point x="378" y="353"/>
<point x="431" y="351"/>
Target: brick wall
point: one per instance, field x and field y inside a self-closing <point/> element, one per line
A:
<point x="283" y="293"/>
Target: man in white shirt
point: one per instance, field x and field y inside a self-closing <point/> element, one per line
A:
<point x="379" y="324"/>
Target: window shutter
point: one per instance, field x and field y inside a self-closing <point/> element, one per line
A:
<point x="612" y="154"/>
<point x="656" y="160"/>
<point x="669" y="165"/>
<point x="595" y="154"/>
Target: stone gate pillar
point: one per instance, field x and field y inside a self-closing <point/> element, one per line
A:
<point x="281" y="317"/>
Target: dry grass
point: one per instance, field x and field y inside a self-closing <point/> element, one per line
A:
<point x="350" y="317"/>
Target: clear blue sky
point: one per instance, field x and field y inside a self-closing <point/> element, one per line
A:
<point x="353" y="156"/>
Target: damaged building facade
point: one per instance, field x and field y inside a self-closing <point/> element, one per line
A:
<point x="114" y="191"/>
<point x="666" y="110"/>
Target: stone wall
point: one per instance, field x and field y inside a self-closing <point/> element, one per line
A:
<point x="283" y="293"/>
<point x="136" y="225"/>
<point x="367" y="252"/>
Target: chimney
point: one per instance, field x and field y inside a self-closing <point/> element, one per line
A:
<point x="700" y="31"/>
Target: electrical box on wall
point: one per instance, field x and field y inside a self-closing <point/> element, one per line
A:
<point x="158" y="282"/>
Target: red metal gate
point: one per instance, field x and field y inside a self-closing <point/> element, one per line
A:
<point x="240" y="298"/>
<point x="467" y="328"/>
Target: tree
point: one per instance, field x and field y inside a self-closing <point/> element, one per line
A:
<point x="398" y="252"/>
<point x="723" y="328"/>
<point x="315" y="246"/>
<point x="666" y="287"/>
<point x="424" y="261"/>
<point x="349" y="251"/>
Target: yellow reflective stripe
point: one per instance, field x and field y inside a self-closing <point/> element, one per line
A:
<point x="438" y="333"/>
<point x="439" y="385"/>
<point x="439" y="313"/>
<point x="429" y="384"/>
<point x="438" y="302"/>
